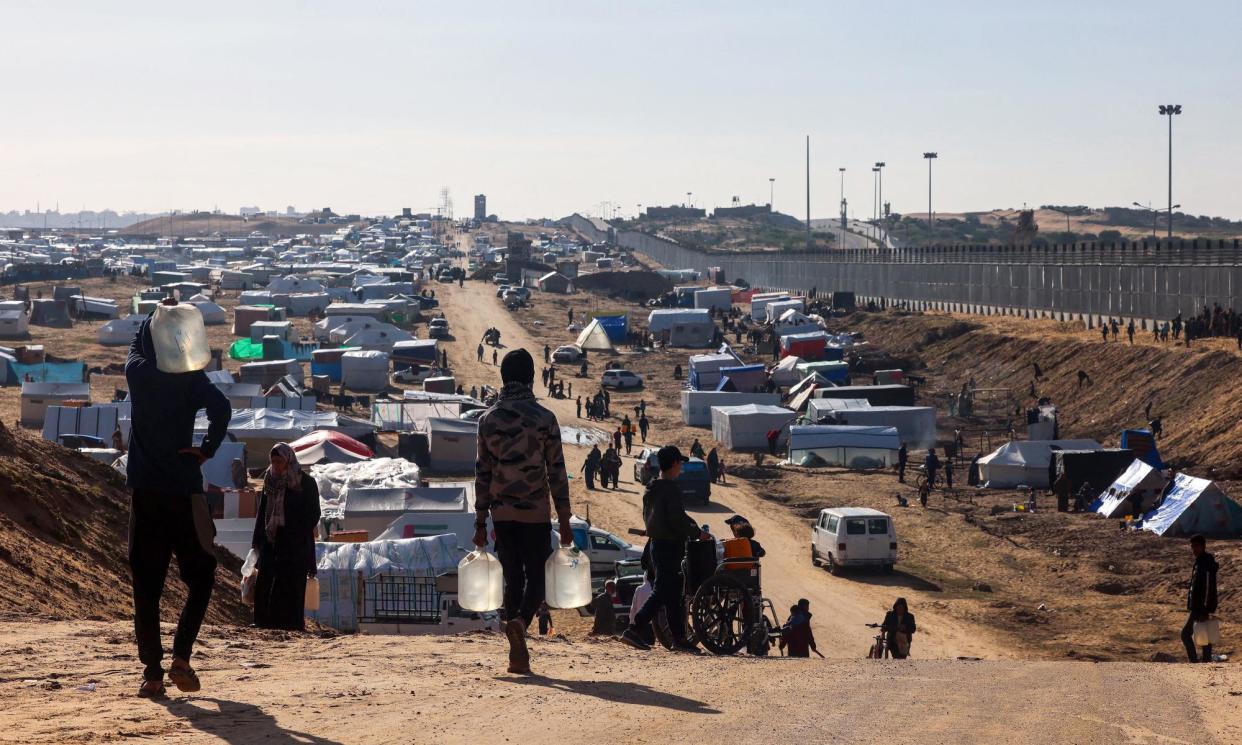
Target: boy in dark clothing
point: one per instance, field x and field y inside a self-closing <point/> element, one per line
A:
<point x="1201" y="600"/>
<point x="668" y="529"/>
<point x="931" y="464"/>
<point x="796" y="635"/>
<point x="168" y="514"/>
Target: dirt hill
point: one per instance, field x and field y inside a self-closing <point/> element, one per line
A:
<point x="64" y="539"/>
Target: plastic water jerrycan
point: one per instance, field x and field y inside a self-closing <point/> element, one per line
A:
<point x="480" y="583"/>
<point x="567" y="575"/>
<point x="180" y="338"/>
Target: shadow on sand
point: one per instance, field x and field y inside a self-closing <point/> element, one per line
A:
<point x="236" y="722"/>
<point x="622" y="692"/>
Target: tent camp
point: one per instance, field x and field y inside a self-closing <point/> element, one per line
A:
<point x="915" y="425"/>
<point x="120" y="331"/>
<point x="261" y="429"/>
<point x="452" y="444"/>
<point x="785" y="372"/>
<point x="1025" y="462"/>
<point x="696" y="406"/>
<point x="876" y="395"/>
<point x="213" y="314"/>
<point x="746" y="427"/>
<point x="47" y="312"/>
<point x="793" y="322"/>
<point x="1094" y="467"/>
<point x="682" y="327"/>
<point x="325" y="446"/>
<point x="705" y="369"/>
<point x="364" y="371"/>
<point x="743" y="378"/>
<point x="837" y="372"/>
<point x="1139" y="481"/>
<point x="594" y="338"/>
<point x="1195" y="506"/>
<point x="860" y="447"/>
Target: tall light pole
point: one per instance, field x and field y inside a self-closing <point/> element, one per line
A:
<point x="808" y="192"/>
<point x="875" y="200"/>
<point x="880" y="167"/>
<point x="772" y="194"/>
<point x="688" y="198"/>
<point x="842" y="215"/>
<point x="1170" y="110"/>
<point x="1155" y="215"/>
<point x="930" y="157"/>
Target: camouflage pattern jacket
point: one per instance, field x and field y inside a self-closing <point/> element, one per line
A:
<point x="520" y="463"/>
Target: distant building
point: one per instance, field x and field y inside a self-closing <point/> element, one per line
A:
<point x="674" y="213"/>
<point x="291" y="211"/>
<point x="249" y="211"/>
<point x="480" y="207"/>
<point x="743" y="211"/>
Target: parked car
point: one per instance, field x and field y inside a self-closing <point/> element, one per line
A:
<point x="620" y="379"/>
<point x="568" y="353"/>
<point x="501" y="279"/>
<point x="853" y="537"/>
<point x="500" y="291"/>
<point x="523" y="293"/>
<point x="694" y="482"/>
<point x="412" y="374"/>
<point x="438" y="328"/>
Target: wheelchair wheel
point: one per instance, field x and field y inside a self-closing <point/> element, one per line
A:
<point x="722" y="614"/>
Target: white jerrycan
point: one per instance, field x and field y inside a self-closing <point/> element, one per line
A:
<point x="180" y="338"/>
<point x="480" y="583"/>
<point x="567" y="575"/>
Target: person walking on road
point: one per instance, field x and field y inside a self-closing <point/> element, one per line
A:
<point x="1201" y="599"/>
<point x="591" y="466"/>
<point x="480" y="352"/>
<point x="931" y="464"/>
<point x="627" y="433"/>
<point x="902" y="456"/>
<point x="494" y="356"/>
<point x="284" y="537"/>
<point x="668" y="529"/>
<point x="168" y="514"/>
<point x="643" y="426"/>
<point x="579" y="407"/>
<point x="612" y="467"/>
<point x="519" y="477"/>
<point x="796" y="635"/>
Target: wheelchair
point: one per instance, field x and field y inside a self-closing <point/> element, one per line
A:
<point x="725" y="602"/>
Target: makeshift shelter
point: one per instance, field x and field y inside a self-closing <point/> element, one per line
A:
<point x="380" y="339"/>
<point x="452" y="444"/>
<point x="414" y="352"/>
<point x="746" y="427"/>
<point x="617" y="327"/>
<point x="94" y="307"/>
<point x="705" y="369"/>
<point x="325" y="446"/>
<point x="696" y="406"/>
<point x="1025" y="462"/>
<point x="714" y="298"/>
<point x="37" y="397"/>
<point x="785" y="372"/>
<point x="743" y="378"/>
<point x="858" y="447"/>
<point x="14" y="319"/>
<point x="213" y="314"/>
<point x="261" y="429"/>
<point x="915" y="425"/>
<point x="293" y="284"/>
<point x="594" y="338"/>
<point x="809" y="345"/>
<point x="836" y="372"/>
<point x="338" y="481"/>
<point x="555" y="282"/>
<point x="47" y="312"/>
<point x="120" y="331"/>
<point x="1194" y="505"/>
<point x="440" y="384"/>
<point x="1140" y="481"/>
<point x="244" y="315"/>
<point x="775" y="309"/>
<point x="218" y="470"/>
<point x="682" y="327"/>
<point x="759" y="302"/>
<point x="328" y="362"/>
<point x="794" y="322"/>
<point x="364" y="371"/>
<point x="280" y="329"/>
<point x="268" y="373"/>
<point x="1094" y="467"/>
<point x="1143" y="443"/>
<point x="876" y="395"/>
<point x="304" y="303"/>
<point x="99" y="421"/>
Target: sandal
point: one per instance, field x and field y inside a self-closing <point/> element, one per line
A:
<point x="152" y="689"/>
<point x="184" y="678"/>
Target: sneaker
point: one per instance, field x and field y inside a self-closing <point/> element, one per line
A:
<point x="631" y="638"/>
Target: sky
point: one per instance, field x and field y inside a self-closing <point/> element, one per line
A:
<point x="550" y="108"/>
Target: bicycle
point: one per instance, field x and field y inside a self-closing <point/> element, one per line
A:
<point x="879" y="649"/>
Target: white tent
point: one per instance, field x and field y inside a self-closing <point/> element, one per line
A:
<point x="14" y="320"/>
<point x="916" y="425"/>
<point x="377" y="339"/>
<point x="682" y="327"/>
<point x="846" y="446"/>
<point x="336" y="481"/>
<point x="452" y="444"/>
<point x="1138" y="479"/>
<point x="704" y="371"/>
<point x="364" y="372"/>
<point x="1025" y="462"/>
<point x="1195" y="506"/>
<point x="747" y="426"/>
<point x="760" y="300"/>
<point x="255" y="297"/>
<point x="292" y="284"/>
<point x="696" y="406"/>
<point x="213" y="314"/>
<point x="120" y="331"/>
<point x="261" y="429"/>
<point x="786" y="371"/>
<point x="302" y="303"/>
<point x="776" y="309"/>
<point x="594" y="338"/>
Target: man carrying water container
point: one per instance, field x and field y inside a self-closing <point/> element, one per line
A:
<point x="168" y="513"/>
<point x="519" y="474"/>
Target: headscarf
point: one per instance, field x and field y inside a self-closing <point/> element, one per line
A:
<point x="274" y="487"/>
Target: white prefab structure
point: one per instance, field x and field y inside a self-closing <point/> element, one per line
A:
<point x="213" y="314"/>
<point x="705" y="369"/>
<point x="452" y="444"/>
<point x="1025" y="462"/>
<point x="716" y="298"/>
<point x="1195" y="506"/>
<point x="1138" y="480"/>
<point x="594" y="338"/>
<point x="786" y="372"/>
<point x="120" y="331"/>
<point x="292" y="284"/>
<point x="760" y="300"/>
<point x="844" y="446"/>
<point x="14" y="320"/>
<point x="279" y="329"/>
<point x="301" y="304"/>
<point x="746" y="427"/>
<point x="696" y="406"/>
<point x="37" y="397"/>
<point x="775" y="309"/>
<point x="916" y="425"/>
<point x="682" y="327"/>
<point x="364" y="372"/>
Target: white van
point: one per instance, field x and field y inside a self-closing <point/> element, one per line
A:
<point x="853" y="536"/>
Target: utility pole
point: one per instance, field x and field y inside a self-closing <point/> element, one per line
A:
<point x="808" y="192"/>
<point x="1170" y="110"/>
<point x="875" y="201"/>
<point x="842" y="217"/>
<point x="930" y="157"/>
<point x="880" y="169"/>
<point x="772" y="194"/>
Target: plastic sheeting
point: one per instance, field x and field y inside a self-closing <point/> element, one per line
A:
<point x="335" y="480"/>
<point x="48" y="372"/>
<point x="1195" y="506"/>
<point x="1140" y="479"/>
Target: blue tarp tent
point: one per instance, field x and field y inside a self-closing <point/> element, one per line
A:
<point x="617" y="327"/>
<point x="744" y="379"/>
<point x="1195" y="506"/>
<point x="48" y="372"/>
<point x="1143" y="445"/>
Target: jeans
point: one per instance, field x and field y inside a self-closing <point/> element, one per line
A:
<point x="161" y="525"/>
<point x="1188" y="640"/>
<point x="668" y="589"/>
<point x="522" y="549"/>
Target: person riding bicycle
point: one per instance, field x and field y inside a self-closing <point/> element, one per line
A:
<point x="898" y="628"/>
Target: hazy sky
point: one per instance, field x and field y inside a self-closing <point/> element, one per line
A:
<point x="554" y="107"/>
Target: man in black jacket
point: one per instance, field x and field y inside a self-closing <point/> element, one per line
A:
<point x="668" y="529"/>
<point x="167" y="512"/>
<point x="1201" y="600"/>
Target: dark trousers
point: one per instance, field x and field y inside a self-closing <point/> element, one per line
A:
<point x="522" y="549"/>
<point x="1188" y="640"/>
<point x="280" y="597"/>
<point x="667" y="589"/>
<point x="590" y="477"/>
<point x="161" y="525"/>
<point x="901" y="472"/>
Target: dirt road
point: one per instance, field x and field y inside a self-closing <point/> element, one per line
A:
<point x="270" y="688"/>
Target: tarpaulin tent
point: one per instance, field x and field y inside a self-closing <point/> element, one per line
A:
<point x="213" y="314"/>
<point x="337" y="481"/>
<point x="1138" y="480"/>
<point x="793" y="321"/>
<point x="452" y="444"/>
<point x="696" y="406"/>
<point x="46" y="312"/>
<point x="594" y="338"/>
<point x="245" y="349"/>
<point x="747" y="426"/>
<point x="876" y="395"/>
<point x="1025" y="462"/>
<point x="759" y="303"/>
<point x="742" y="378"/>
<point x="682" y="327"/>
<point x="1193" y="506"/>
<point x="617" y="327"/>
<point x="915" y="425"/>
<point x="325" y="446"/>
<point x="705" y="369"/>
<point x="414" y="352"/>
<point x="775" y="309"/>
<point x="786" y="372"/>
<point x="1143" y="444"/>
<point x="1094" y="467"/>
<point x="718" y="298"/>
<point x="260" y="429"/>
<point x="120" y="331"/>
<point x="809" y="345"/>
<point x="47" y="372"/>
<point x="328" y="362"/>
<point x="364" y="371"/>
<point x="858" y="447"/>
<point x="837" y="372"/>
<point x="38" y="396"/>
